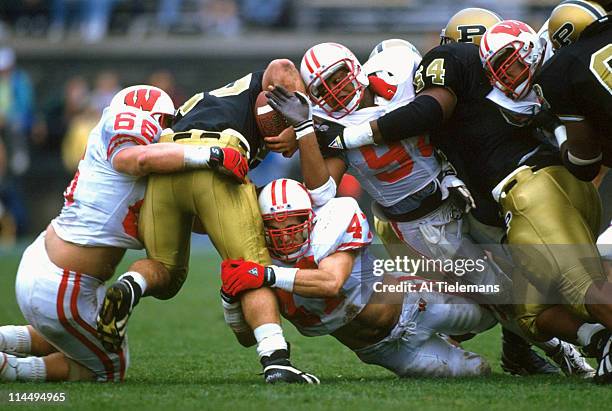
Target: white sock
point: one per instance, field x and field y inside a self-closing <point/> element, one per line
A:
<point x="31" y="369"/>
<point x="138" y="279"/>
<point x="269" y="339"/>
<point x="15" y="339"/>
<point x="586" y="331"/>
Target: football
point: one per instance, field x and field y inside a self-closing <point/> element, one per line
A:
<point x="269" y="122"/>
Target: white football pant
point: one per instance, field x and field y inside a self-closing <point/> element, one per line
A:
<point x="62" y="306"/>
<point x="413" y="348"/>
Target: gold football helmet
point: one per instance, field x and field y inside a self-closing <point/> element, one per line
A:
<point x="569" y="19"/>
<point x="468" y="26"/>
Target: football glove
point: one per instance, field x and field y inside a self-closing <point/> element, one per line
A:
<point x="240" y="275"/>
<point x="229" y="161"/>
<point x="451" y="185"/>
<point x="295" y="107"/>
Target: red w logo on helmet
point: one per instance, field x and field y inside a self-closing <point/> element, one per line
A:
<point x="138" y="98"/>
<point x="512" y="27"/>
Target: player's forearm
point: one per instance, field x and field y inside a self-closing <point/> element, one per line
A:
<point x="312" y="163"/>
<point x="160" y="158"/>
<point x="317" y="283"/>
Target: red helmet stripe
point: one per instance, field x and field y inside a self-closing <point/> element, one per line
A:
<point x="273" y="192"/>
<point x="284" y="190"/>
<point x="314" y="58"/>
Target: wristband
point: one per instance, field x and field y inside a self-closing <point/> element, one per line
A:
<point x="580" y="162"/>
<point x="196" y="156"/>
<point x="358" y="136"/>
<point x="324" y="193"/>
<point x="285" y="277"/>
<point x="303" y="128"/>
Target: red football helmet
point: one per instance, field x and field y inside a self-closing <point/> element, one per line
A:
<point x="341" y="96"/>
<point x="146" y="98"/>
<point x="511" y="53"/>
<point x="278" y="201"/>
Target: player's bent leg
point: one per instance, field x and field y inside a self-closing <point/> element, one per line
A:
<point x="260" y="308"/>
<point x="53" y="367"/>
<point x="61" y="306"/>
<point x="144" y="277"/>
<point x="433" y="357"/>
<point x="438" y="358"/>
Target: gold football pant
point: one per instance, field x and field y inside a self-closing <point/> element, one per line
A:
<point x="552" y="220"/>
<point x="228" y="211"/>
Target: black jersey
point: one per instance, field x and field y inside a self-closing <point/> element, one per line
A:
<point x="477" y="139"/>
<point x="231" y="106"/>
<point x="577" y="81"/>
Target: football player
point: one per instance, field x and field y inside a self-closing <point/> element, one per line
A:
<point x="324" y="279"/>
<point x="62" y="274"/>
<point x="467" y="106"/>
<point x="227" y="212"/>
<point x="577" y="83"/>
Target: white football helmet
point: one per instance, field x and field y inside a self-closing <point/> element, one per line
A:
<point x="279" y="200"/>
<point x="511" y="53"/>
<point x="322" y="61"/>
<point x="146" y="98"/>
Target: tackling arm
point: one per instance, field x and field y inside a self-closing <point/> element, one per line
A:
<point x="164" y="158"/>
<point x="325" y="281"/>
<point x="431" y="108"/>
<point x="328" y="279"/>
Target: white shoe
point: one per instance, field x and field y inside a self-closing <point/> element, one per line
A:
<point x="8" y="367"/>
<point x="571" y="362"/>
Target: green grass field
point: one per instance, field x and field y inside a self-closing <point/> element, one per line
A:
<point x="184" y="357"/>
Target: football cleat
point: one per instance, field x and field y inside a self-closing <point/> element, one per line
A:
<point x="601" y="347"/>
<point x="113" y="316"/>
<point x="519" y="359"/>
<point x="278" y="369"/>
<point x="8" y="367"/>
<point x="570" y="361"/>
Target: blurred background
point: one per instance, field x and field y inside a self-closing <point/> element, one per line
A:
<point x="61" y="61"/>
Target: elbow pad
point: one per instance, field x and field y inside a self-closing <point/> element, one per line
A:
<point x="414" y="119"/>
<point x="585" y="170"/>
<point x="323" y="194"/>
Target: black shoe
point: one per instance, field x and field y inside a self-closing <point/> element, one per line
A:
<point x="601" y="348"/>
<point x="278" y="368"/>
<point x="112" y="319"/>
<point x="519" y="359"/>
<point x="593" y="350"/>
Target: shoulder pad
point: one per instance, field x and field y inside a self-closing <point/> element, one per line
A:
<point x="127" y="127"/>
<point x="340" y="225"/>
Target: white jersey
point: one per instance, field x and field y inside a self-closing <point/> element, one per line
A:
<point x="389" y="173"/>
<point x="545" y="38"/>
<point x="339" y="225"/>
<point x="101" y="205"/>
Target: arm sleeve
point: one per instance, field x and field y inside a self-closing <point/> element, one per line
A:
<point x="416" y="118"/>
<point x="439" y="68"/>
